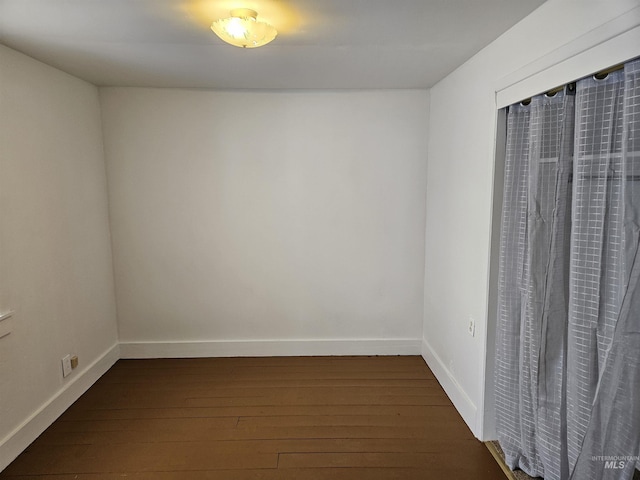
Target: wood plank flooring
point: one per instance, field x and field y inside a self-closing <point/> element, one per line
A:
<point x="260" y="418"/>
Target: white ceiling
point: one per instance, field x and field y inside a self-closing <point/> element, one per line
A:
<point x="321" y="44"/>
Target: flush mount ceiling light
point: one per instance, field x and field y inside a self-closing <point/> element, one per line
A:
<point x="243" y="29"/>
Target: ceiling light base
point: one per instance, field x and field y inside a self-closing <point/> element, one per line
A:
<point x="244" y="13"/>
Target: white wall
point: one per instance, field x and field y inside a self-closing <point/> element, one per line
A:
<point x="254" y="223"/>
<point x="461" y="176"/>
<point x="55" y="255"/>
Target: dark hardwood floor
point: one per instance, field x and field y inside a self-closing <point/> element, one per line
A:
<point x="260" y="418"/>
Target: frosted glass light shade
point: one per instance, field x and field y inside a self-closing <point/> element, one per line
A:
<point x="243" y="29"/>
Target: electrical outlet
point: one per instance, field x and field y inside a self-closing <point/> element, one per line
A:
<point x="66" y="366"/>
<point x="6" y="323"/>
<point x="74" y="362"/>
<point x="471" y="327"/>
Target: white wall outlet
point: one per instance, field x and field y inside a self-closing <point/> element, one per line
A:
<point x="66" y="365"/>
<point x="471" y="327"/>
<point x="6" y="323"/>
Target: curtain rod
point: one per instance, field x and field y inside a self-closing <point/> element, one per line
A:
<point x="601" y="75"/>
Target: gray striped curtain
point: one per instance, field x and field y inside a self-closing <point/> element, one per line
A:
<point x="568" y="343"/>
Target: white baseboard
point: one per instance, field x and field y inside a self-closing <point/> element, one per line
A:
<point x="22" y="436"/>
<point x="454" y="391"/>
<point x="269" y="348"/>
